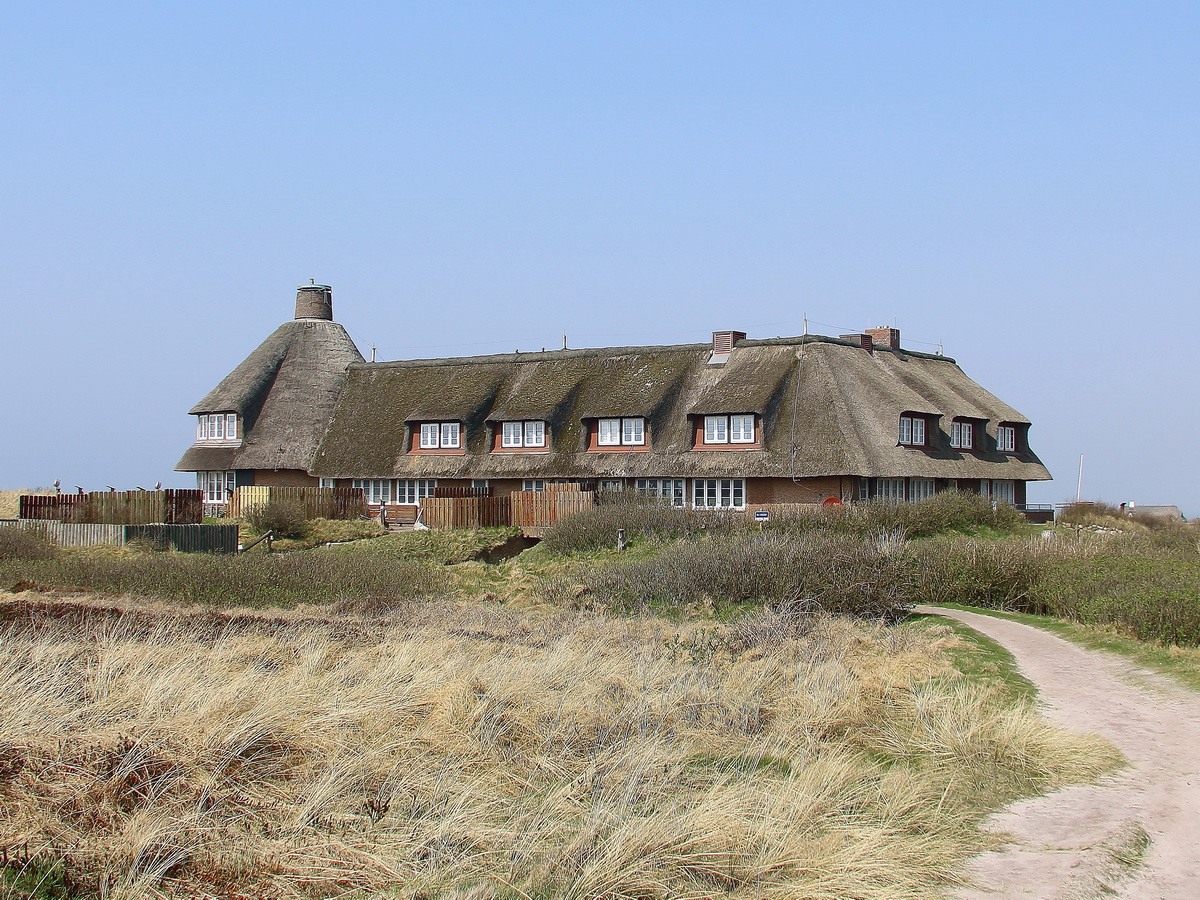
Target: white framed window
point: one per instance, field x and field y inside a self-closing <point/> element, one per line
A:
<point x="441" y="436"/>
<point x="628" y="432"/>
<point x="737" y="429"/>
<point x="325" y="482"/>
<point x="920" y="489"/>
<point x="669" y="490"/>
<point x="1004" y="491"/>
<point x="1006" y="439"/>
<point x="719" y="493"/>
<point x="533" y="484"/>
<point x="479" y="484"/>
<point x="962" y="435"/>
<point x="890" y="490"/>
<point x="217" y="427"/>
<point x="912" y="431"/>
<point x="741" y="429"/>
<point x="374" y="490"/>
<point x="716" y="429"/>
<point x="411" y="491"/>
<point x="523" y="434"/>
<point x="612" y="486"/>
<point x="216" y="487"/>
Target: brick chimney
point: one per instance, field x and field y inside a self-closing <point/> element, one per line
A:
<point x="885" y="337"/>
<point x="314" y="301"/>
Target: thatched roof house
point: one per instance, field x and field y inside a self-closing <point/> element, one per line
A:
<point x="734" y="423"/>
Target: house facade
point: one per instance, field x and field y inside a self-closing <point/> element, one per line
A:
<point x="730" y="424"/>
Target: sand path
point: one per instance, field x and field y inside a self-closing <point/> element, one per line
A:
<point x="1068" y="844"/>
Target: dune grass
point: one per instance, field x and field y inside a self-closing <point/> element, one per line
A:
<point x="453" y="751"/>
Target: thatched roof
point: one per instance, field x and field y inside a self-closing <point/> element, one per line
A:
<point x="284" y="393"/>
<point x="828" y="407"/>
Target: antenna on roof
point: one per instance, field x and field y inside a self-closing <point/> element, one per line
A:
<point x="940" y="349"/>
<point x="372" y="353"/>
<point x="564" y="342"/>
<point x="806" y="323"/>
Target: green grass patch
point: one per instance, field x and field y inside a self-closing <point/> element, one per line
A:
<point x="980" y="659"/>
<point x="1181" y="663"/>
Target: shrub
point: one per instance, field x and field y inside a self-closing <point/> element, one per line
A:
<point x="642" y="518"/>
<point x="25" y="543"/>
<point x="794" y="573"/>
<point x="286" y="518"/>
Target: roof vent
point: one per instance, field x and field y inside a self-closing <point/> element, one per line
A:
<point x="863" y="340"/>
<point x="314" y="301"/>
<point x="722" y="345"/>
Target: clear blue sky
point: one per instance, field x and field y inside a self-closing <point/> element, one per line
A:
<point x="1017" y="182"/>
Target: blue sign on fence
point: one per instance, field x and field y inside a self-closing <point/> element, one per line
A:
<point x="761" y="515"/>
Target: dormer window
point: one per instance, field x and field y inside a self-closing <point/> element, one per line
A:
<point x="962" y="434"/>
<point x="522" y="435"/>
<point x="912" y="431"/>
<point x="217" y="427"/>
<point x="1006" y="438"/>
<point x="738" y="429"/>
<point x="441" y="436"/>
<point x="627" y="432"/>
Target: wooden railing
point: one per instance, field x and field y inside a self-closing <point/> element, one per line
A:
<point x="171" y="506"/>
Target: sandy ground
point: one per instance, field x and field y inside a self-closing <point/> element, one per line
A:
<point x="1070" y="844"/>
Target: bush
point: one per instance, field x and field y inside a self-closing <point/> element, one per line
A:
<point x="286" y="518"/>
<point x="642" y="518"/>
<point x="793" y="573"/>
<point x="25" y="543"/>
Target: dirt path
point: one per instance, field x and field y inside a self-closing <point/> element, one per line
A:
<point x="1069" y="844"/>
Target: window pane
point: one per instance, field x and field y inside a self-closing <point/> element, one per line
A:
<point x="741" y="430"/>
<point x="609" y="432"/>
<point x="231" y="426"/>
<point x="633" y="431"/>
<point x="918" y="432"/>
<point x="905" y="430"/>
<point x="429" y="435"/>
<point x="216" y="425"/>
<point x="512" y="434"/>
<point x="449" y="434"/>
<point x="716" y="429"/>
<point x="535" y="434"/>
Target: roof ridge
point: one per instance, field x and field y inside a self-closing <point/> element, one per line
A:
<point x="585" y="352"/>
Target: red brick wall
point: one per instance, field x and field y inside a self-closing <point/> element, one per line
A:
<point x="885" y="337"/>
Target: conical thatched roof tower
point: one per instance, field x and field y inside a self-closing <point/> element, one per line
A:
<point x="282" y="395"/>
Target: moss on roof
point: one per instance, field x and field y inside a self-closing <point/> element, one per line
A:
<point x="827" y="407"/>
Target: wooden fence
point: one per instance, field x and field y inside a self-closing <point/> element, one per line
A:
<point x="173" y="507"/>
<point x="534" y="511"/>
<point x="318" y="502"/>
<point x="465" y="512"/>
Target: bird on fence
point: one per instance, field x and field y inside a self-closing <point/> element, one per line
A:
<point x="111" y="489"/>
<point x="57" y="484"/>
<point x="139" y="487"/>
<point x="158" y="485"/>
<point x="79" y="489"/>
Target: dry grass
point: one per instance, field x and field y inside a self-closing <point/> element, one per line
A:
<point x="10" y="501"/>
<point x="473" y="751"/>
